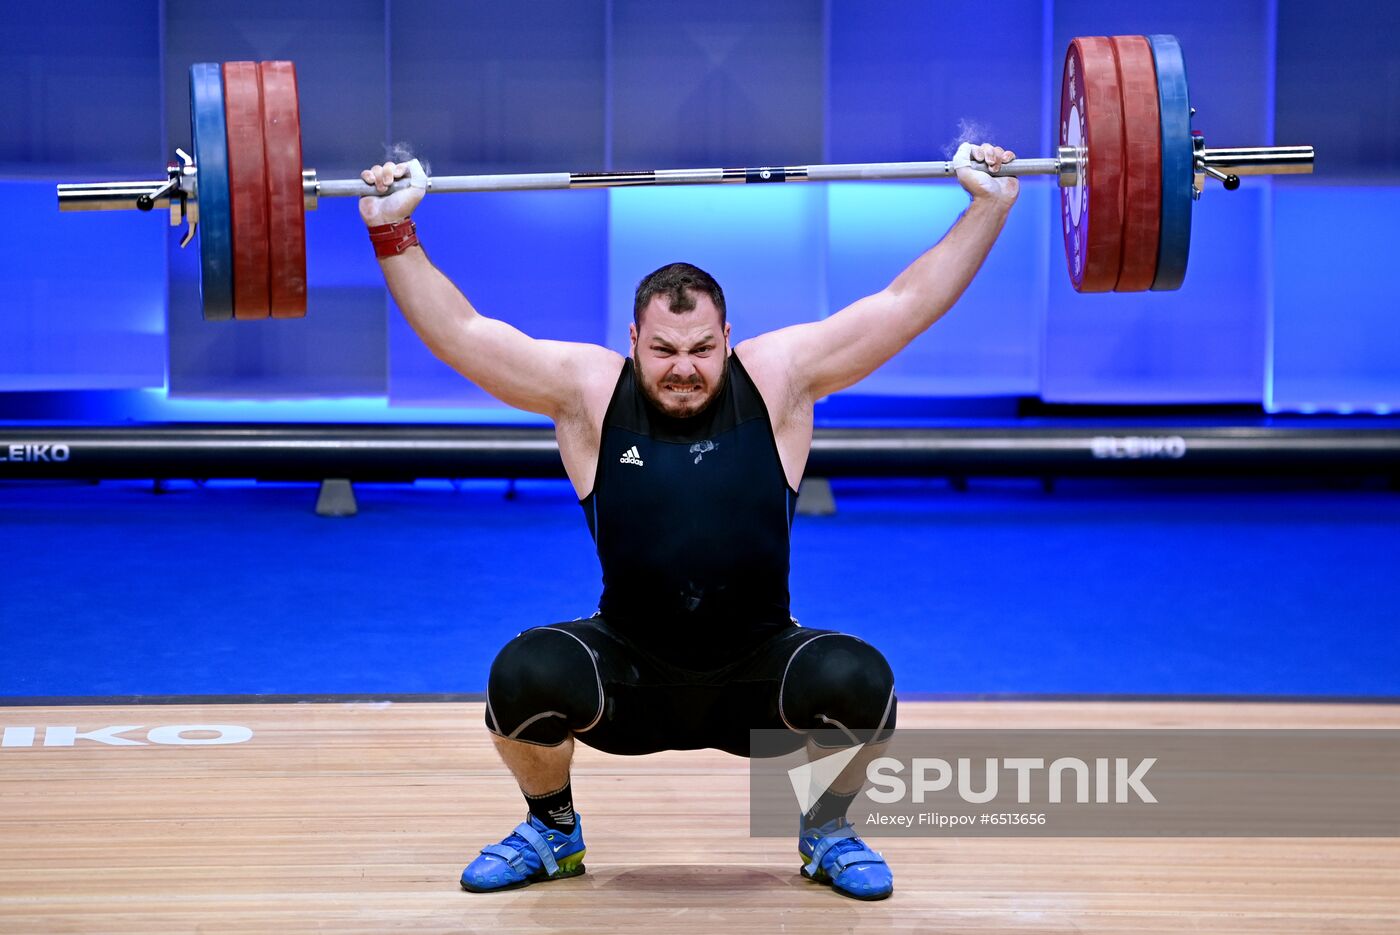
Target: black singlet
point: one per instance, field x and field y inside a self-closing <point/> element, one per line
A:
<point x="691" y="518"/>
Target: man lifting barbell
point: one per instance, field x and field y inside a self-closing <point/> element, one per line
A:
<point x="682" y="451"/>
<point x="686" y="456"/>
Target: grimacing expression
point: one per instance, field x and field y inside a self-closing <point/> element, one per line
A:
<point x="680" y="358"/>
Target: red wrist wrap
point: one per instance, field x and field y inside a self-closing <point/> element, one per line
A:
<point x="393" y="239"/>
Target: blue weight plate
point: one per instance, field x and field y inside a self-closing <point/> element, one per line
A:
<point x="1178" y="159"/>
<point x="211" y="161"/>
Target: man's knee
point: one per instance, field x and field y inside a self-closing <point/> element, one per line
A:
<point x="839" y="683"/>
<point x="544" y="684"/>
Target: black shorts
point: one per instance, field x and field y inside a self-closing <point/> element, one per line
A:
<point x="651" y="705"/>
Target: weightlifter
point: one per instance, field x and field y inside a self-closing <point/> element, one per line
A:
<point x="686" y="456"/>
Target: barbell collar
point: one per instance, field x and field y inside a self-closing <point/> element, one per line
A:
<point x="310" y="189"/>
<point x="148" y="201"/>
<point x="1069" y="165"/>
<point x="108" y="196"/>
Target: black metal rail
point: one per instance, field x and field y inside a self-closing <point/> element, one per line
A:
<point x="404" y="452"/>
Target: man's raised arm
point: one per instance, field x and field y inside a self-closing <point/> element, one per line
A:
<point x="539" y="376"/>
<point x="825" y="356"/>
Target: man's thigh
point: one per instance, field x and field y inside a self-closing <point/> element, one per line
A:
<point x="651" y="704"/>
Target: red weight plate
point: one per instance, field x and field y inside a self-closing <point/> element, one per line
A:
<point x="286" y="208"/>
<point x="1091" y="121"/>
<point x="1142" y="163"/>
<point x="247" y="179"/>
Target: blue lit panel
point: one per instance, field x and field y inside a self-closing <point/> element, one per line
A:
<point x="84" y="295"/>
<point x="498" y="87"/>
<point x="903" y="75"/>
<point x="81" y="84"/>
<point x="762" y="243"/>
<point x="724" y="83"/>
<point x="536" y="260"/>
<point x="989" y="344"/>
<point x="156" y="406"/>
<point x="1336" y="341"/>
<point x="1339" y="89"/>
<point x="1204" y="343"/>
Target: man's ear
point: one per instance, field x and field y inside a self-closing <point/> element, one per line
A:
<point x="632" y="336"/>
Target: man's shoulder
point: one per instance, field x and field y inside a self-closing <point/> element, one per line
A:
<point x="597" y="360"/>
<point x="769" y="366"/>
<point x="601" y="370"/>
<point x="762" y="354"/>
<point x="593" y="371"/>
<point x="768" y="361"/>
<point x="579" y="426"/>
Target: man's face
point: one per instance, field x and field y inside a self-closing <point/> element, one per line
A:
<point x="680" y="357"/>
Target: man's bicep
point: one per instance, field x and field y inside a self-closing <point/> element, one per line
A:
<point x="524" y="372"/>
<point x="842" y="349"/>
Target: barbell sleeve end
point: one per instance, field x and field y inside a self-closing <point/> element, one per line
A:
<point x="108" y="196"/>
<point x="1259" y="160"/>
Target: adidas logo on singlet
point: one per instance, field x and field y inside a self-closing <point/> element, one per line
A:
<point x="631" y="456"/>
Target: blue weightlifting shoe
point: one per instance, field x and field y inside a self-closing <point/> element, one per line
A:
<point x="532" y="853"/>
<point x="833" y="854"/>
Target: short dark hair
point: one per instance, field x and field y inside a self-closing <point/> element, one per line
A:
<point x="677" y="280"/>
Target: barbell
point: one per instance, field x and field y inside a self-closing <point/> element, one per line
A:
<point x="1128" y="164"/>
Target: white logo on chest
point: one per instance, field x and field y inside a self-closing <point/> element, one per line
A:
<point x="700" y="449"/>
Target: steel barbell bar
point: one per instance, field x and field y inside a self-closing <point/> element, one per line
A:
<point x="124" y="196"/>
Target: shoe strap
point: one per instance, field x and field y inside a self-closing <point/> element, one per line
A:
<point x="823" y="844"/>
<point x="511" y="855"/>
<point x="863" y="856"/>
<point x="541" y="846"/>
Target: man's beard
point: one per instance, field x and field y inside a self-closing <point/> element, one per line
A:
<point x="687" y="407"/>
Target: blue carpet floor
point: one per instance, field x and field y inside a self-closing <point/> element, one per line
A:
<point x="1180" y="588"/>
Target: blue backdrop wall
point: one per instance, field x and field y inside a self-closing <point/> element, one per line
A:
<point x="1289" y="303"/>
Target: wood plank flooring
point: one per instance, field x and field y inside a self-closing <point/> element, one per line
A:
<point x="358" y="818"/>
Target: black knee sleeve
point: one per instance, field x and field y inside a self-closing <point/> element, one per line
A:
<point x="544" y="685"/>
<point x="839" y="683"/>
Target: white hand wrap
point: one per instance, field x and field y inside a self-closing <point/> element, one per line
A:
<point x="963" y="158"/>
